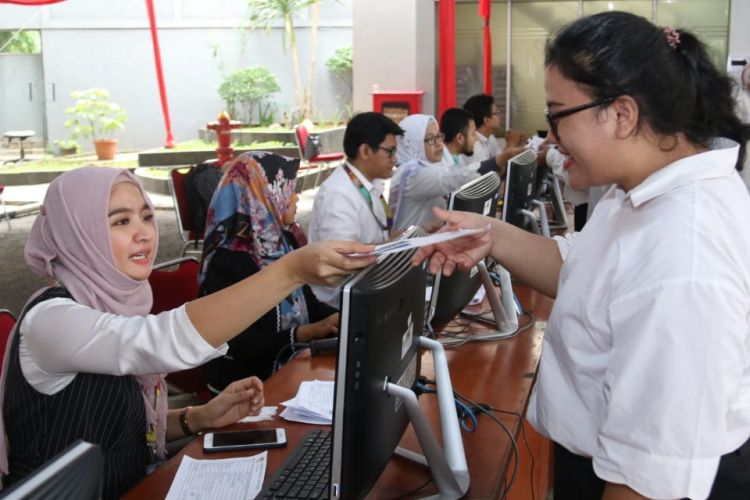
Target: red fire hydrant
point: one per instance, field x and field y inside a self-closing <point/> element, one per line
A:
<point x="223" y="128"/>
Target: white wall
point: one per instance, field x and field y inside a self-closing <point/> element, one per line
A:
<point x="739" y="28"/>
<point x="92" y="43"/>
<point x="394" y="48"/>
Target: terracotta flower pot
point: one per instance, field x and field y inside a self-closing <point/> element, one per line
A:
<point x="105" y="148"/>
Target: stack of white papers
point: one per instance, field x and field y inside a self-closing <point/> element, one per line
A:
<point x="228" y="479"/>
<point x="313" y="403"/>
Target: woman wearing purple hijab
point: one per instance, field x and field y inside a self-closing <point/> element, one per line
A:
<point x="86" y="360"/>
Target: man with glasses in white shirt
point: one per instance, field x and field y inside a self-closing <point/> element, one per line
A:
<point x="350" y="204"/>
<point x="487" y="120"/>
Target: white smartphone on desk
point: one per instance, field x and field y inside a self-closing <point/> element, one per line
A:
<point x="244" y="440"/>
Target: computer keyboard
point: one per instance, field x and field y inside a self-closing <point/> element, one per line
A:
<point x="306" y="472"/>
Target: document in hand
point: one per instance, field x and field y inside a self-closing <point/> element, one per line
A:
<point x="408" y="244"/>
<point x="228" y="479"/>
<point x="313" y="403"/>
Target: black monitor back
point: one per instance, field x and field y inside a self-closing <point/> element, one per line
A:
<point x="520" y="184"/>
<point x="450" y="294"/>
<point x="382" y="317"/>
<point x="73" y="474"/>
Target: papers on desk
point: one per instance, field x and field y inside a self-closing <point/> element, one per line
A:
<point x="266" y="413"/>
<point x="313" y="403"/>
<point x="228" y="479"/>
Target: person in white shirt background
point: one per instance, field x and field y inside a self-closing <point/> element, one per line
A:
<point x="487" y="122"/>
<point x="743" y="112"/>
<point x="644" y="376"/>
<point x="350" y="204"/>
<point x="459" y="129"/>
<point x="422" y="180"/>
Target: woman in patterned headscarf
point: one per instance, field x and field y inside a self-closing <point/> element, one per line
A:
<point x="252" y="207"/>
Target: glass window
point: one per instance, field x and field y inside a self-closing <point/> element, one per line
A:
<point x="708" y="19"/>
<point x="531" y="25"/>
<point x="469" y="42"/>
<point x="638" y="7"/>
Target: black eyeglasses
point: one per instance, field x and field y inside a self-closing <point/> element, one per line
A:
<point x="391" y="151"/>
<point x="553" y="118"/>
<point x="432" y="139"/>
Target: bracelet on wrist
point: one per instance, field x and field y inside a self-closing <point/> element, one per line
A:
<point x="184" y="422"/>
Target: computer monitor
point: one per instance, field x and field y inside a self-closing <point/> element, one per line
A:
<point x="519" y="202"/>
<point x="73" y="474"/>
<point x="382" y="316"/>
<point x="450" y="294"/>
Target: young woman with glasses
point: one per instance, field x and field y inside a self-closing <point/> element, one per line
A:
<point x="644" y="378"/>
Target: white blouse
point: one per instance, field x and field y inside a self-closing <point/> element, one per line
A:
<point x="645" y="365"/>
<point x="61" y="338"/>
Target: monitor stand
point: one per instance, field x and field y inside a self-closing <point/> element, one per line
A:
<point x="504" y="314"/>
<point x="539" y="225"/>
<point x="448" y="467"/>
<point x="556" y="199"/>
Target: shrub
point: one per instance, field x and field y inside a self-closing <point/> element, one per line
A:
<point x="248" y="88"/>
<point x="94" y="115"/>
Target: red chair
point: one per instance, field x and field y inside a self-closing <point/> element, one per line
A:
<point x="300" y="131"/>
<point x="7" y="322"/>
<point x="6" y="215"/>
<point x="182" y="208"/>
<point x="171" y="289"/>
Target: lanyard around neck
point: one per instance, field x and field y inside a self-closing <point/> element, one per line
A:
<point x="368" y="198"/>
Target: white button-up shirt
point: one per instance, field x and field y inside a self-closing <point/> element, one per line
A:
<point x="485" y="148"/>
<point x="646" y="361"/>
<point x="340" y="212"/>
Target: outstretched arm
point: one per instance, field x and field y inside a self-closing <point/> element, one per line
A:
<point x="222" y="315"/>
<point x="535" y="260"/>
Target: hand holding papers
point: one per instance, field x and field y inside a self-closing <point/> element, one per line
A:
<point x="313" y="403"/>
<point x="403" y="245"/>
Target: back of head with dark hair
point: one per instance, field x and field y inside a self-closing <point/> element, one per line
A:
<point x="368" y="128"/>
<point x="453" y="122"/>
<point x="678" y="89"/>
<point x="480" y="106"/>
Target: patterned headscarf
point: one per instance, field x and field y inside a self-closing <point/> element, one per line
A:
<point x="246" y="215"/>
<point x="70" y="242"/>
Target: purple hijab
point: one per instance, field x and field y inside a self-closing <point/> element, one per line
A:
<point x="70" y="243"/>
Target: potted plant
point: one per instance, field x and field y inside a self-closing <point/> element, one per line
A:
<point x="70" y="147"/>
<point x="96" y="117"/>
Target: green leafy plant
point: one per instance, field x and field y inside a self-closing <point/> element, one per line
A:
<point x="68" y="145"/>
<point x="248" y="88"/>
<point x="340" y="65"/>
<point x="265" y="14"/>
<point x="94" y="115"/>
<point x="20" y="42"/>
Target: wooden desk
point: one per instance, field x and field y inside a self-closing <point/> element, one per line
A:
<point x="499" y="373"/>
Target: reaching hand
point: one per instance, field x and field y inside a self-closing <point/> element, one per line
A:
<point x="326" y="262"/>
<point x="319" y="329"/>
<point x="462" y="253"/>
<point x="241" y="398"/>
<point x="515" y="138"/>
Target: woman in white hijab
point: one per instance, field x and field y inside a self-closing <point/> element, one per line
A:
<point x="422" y="180"/>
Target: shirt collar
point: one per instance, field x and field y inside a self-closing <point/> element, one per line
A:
<point x="364" y="180"/>
<point x="481" y="138"/>
<point x="718" y="161"/>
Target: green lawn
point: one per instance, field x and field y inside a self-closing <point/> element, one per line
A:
<point x="199" y="145"/>
<point x="58" y="164"/>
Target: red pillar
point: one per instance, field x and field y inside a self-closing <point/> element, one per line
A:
<point x="169" y="143"/>
<point x="446" y="55"/>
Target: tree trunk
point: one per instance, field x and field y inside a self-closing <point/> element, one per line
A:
<point x="295" y="61"/>
<point x="314" y="11"/>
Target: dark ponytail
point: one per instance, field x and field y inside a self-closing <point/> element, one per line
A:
<point x="672" y="78"/>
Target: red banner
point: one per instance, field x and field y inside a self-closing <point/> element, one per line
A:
<point x="485" y="11"/>
<point x="31" y="2"/>
<point x="446" y="55"/>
